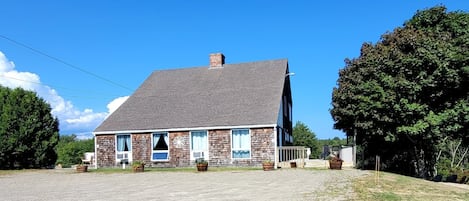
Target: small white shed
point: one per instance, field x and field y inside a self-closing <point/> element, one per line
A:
<point x="346" y="154"/>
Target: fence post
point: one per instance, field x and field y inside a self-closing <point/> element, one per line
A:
<point x="377" y="167"/>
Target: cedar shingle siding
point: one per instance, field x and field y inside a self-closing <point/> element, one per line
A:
<point x="262" y="148"/>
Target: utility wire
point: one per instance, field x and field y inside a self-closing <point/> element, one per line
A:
<point x="56" y="87"/>
<point x="65" y="63"/>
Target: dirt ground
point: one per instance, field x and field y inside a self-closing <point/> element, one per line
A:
<point x="284" y="184"/>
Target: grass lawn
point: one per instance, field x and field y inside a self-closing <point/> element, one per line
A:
<point x="397" y="187"/>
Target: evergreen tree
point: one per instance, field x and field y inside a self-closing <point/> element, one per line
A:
<point x="303" y="136"/>
<point x="28" y="131"/>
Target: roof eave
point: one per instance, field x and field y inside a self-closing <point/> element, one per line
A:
<point x="184" y="129"/>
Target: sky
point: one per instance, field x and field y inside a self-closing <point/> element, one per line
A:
<point x="85" y="57"/>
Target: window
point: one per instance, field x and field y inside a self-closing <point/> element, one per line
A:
<point x="199" y="145"/>
<point x="123" y="147"/>
<point x="160" y="144"/>
<point x="241" y="143"/>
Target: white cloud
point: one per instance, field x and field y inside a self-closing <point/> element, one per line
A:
<point x="72" y="119"/>
<point x="116" y="103"/>
<point x="83" y="119"/>
<point x="5" y="65"/>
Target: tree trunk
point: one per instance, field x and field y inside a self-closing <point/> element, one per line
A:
<point x="463" y="156"/>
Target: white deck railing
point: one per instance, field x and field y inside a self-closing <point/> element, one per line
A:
<point x="296" y="154"/>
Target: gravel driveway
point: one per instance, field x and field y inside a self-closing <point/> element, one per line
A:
<point x="282" y="184"/>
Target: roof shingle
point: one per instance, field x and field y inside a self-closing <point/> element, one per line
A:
<point x="234" y="95"/>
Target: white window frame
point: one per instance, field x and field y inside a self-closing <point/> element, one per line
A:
<point x="159" y="151"/>
<point x="245" y="149"/>
<point x="126" y="155"/>
<point x="203" y="153"/>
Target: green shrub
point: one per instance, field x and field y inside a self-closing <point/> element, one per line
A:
<point x="71" y="150"/>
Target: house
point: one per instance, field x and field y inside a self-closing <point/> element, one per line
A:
<point x="228" y="114"/>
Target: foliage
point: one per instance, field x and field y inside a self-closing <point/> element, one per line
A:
<point x="334" y="142"/>
<point x="201" y="161"/>
<point x="335" y="158"/>
<point x="137" y="163"/>
<point x="267" y="162"/>
<point x="28" y="131"/>
<point x="303" y="136"/>
<point x="406" y="93"/>
<point x="451" y="156"/>
<point x="70" y="150"/>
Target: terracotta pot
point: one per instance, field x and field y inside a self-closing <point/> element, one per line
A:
<point x="268" y="166"/>
<point x="82" y="168"/>
<point x="202" y="167"/>
<point x="335" y="164"/>
<point x="138" y="168"/>
<point x="293" y="164"/>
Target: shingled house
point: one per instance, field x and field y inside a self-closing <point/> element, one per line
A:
<point x="229" y="114"/>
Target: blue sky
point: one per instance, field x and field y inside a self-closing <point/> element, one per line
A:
<point x="111" y="47"/>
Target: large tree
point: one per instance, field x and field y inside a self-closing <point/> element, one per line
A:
<point x="303" y="136"/>
<point x="403" y="95"/>
<point x="28" y="131"/>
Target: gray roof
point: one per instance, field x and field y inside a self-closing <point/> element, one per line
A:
<point x="233" y="95"/>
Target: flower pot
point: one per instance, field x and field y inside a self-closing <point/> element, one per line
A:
<point x="293" y="164"/>
<point x="335" y="164"/>
<point x="138" y="168"/>
<point x="202" y="167"/>
<point x="82" y="168"/>
<point x="268" y="166"/>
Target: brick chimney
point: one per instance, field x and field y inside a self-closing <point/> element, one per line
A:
<point x="217" y="60"/>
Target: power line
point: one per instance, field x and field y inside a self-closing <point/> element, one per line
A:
<point x="56" y="87"/>
<point x="65" y="63"/>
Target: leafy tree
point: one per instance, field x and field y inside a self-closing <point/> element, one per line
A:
<point x="28" y="131"/>
<point x="334" y="142"/>
<point x="70" y="150"/>
<point x="303" y="136"/>
<point x="403" y="95"/>
<point x="451" y="156"/>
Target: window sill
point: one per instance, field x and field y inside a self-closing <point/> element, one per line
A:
<point x="160" y="160"/>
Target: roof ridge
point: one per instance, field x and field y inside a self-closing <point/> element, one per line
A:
<point x="226" y="64"/>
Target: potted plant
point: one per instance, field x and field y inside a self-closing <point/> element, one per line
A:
<point x="335" y="163"/>
<point x="267" y="165"/>
<point x="138" y="166"/>
<point x="202" y="165"/>
<point x="293" y="164"/>
<point x="82" y="168"/>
